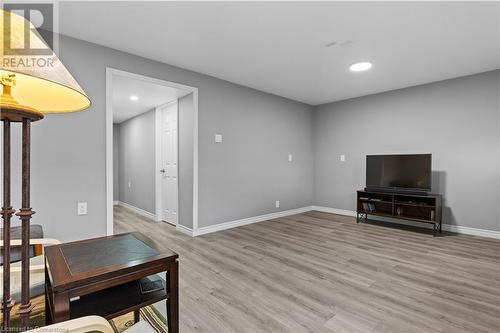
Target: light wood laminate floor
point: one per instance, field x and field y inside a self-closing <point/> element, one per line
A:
<point x="318" y="272"/>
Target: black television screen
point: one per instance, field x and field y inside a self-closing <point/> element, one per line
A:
<point x="399" y="172"/>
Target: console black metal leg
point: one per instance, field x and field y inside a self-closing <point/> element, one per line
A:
<point x="361" y="217"/>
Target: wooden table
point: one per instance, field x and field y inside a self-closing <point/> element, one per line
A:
<point x="102" y="276"/>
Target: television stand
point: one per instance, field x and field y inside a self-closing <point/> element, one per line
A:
<point x="423" y="208"/>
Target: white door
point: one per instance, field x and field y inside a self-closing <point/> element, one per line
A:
<point x="169" y="165"/>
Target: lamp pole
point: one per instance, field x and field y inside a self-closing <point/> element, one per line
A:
<point x="16" y="113"/>
<point x="7" y="212"/>
<point x="25" y="214"/>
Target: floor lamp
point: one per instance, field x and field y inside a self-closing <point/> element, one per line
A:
<point x="28" y="92"/>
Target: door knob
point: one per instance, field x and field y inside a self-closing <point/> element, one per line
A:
<point x="162" y="170"/>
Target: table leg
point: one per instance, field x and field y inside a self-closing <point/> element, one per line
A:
<point x="136" y="316"/>
<point x="48" y="316"/>
<point x="173" y="298"/>
<point x="48" y="293"/>
<point x="61" y="307"/>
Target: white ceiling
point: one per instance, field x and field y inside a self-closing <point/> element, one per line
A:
<point x="150" y="96"/>
<point x="280" y="47"/>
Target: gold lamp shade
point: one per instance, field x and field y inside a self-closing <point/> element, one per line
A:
<point x="33" y="84"/>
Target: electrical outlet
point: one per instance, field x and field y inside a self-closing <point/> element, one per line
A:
<point x="218" y="138"/>
<point x="342" y="158"/>
<point x="82" y="208"/>
<point x="290" y="157"/>
<point x="277" y="204"/>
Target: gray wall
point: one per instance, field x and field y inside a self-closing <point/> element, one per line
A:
<point x="116" y="187"/>
<point x="249" y="171"/>
<point x="244" y="175"/>
<point x="455" y="120"/>
<point x="136" y="160"/>
<point x="186" y="121"/>
<point x="240" y="178"/>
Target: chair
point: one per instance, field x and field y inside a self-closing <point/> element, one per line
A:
<point x="37" y="267"/>
<point x="79" y="325"/>
<point x="92" y="324"/>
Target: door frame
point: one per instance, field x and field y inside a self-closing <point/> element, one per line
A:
<point x="158" y="161"/>
<point x="110" y="72"/>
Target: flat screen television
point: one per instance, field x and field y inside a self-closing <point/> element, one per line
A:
<point x="399" y="172"/>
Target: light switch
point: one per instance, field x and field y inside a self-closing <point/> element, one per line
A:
<point x="82" y="208"/>
<point x="342" y="158"/>
<point x="218" y="138"/>
<point x="290" y="157"/>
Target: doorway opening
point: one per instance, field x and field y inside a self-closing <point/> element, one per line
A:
<point x="151" y="155"/>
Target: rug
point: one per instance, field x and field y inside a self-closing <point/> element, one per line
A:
<point x="119" y="324"/>
<point x="148" y="313"/>
<point x="37" y="317"/>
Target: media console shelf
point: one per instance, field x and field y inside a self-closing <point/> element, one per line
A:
<point x="424" y="208"/>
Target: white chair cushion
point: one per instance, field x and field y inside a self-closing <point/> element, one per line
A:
<point x="37" y="279"/>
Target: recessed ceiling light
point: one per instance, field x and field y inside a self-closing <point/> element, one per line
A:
<point x="360" y="66"/>
<point x="134" y="98"/>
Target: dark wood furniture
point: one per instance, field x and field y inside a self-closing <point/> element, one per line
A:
<point x="425" y="208"/>
<point x="102" y="277"/>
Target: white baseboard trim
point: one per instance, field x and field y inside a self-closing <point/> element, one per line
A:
<point x="116" y="203"/>
<point x="184" y="230"/>
<point x="248" y="220"/>
<point x="345" y="212"/>
<point x="138" y="210"/>
<point x="334" y="210"/>
<point x="472" y="231"/>
<point x="446" y="227"/>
